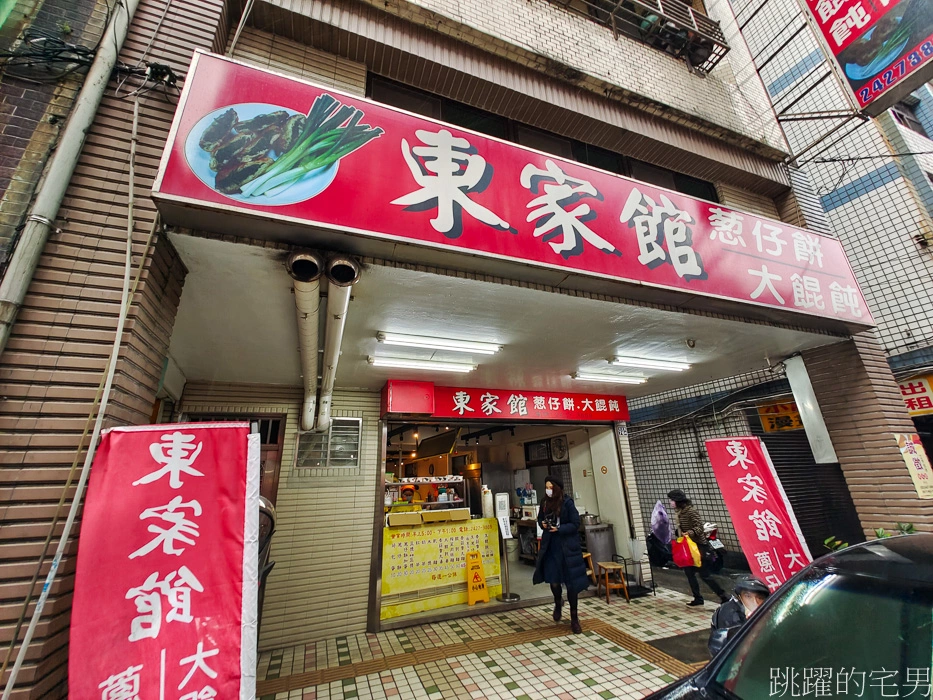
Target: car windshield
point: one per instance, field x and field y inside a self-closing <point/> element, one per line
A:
<point x="835" y="635"/>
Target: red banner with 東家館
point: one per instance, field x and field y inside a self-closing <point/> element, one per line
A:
<point x="415" y="180"/>
<point x="166" y="589"/>
<point x="520" y="405"/>
<point x="763" y="518"/>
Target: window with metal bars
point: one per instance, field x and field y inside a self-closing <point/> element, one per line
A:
<point x="338" y="448"/>
<point x="671" y="26"/>
<point x="906" y="115"/>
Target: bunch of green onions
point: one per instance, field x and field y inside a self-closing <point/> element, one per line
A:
<point x="331" y="131"/>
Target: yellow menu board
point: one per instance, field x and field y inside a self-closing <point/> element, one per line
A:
<point x="424" y="566"/>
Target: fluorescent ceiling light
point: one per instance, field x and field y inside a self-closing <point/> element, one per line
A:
<point x="419" y="341"/>
<point x="610" y="378"/>
<point x="402" y="363"/>
<point x="650" y="363"/>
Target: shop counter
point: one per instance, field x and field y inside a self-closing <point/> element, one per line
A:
<point x="424" y="566"/>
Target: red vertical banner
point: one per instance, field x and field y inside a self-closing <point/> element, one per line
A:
<point x="166" y="589"/>
<point x="763" y="518"/>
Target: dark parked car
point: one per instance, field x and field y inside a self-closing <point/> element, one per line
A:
<point x="855" y="623"/>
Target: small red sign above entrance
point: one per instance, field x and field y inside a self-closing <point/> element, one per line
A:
<point x="269" y="147"/>
<point x="504" y="404"/>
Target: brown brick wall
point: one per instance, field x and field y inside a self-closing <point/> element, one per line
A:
<point x="51" y="369"/>
<point x="863" y="408"/>
<point x="33" y="113"/>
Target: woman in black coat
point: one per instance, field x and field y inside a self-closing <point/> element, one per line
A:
<point x="560" y="558"/>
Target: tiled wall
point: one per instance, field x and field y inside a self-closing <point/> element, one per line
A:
<point x="668" y="447"/>
<point x="877" y="205"/>
<point x="728" y="97"/>
<point x="60" y="343"/>
<point x="32" y="113"/>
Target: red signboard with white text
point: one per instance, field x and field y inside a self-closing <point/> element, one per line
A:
<point x="507" y="404"/>
<point x="258" y="144"/>
<point x="166" y="589"/>
<point x="763" y="518"/>
<point x="877" y="43"/>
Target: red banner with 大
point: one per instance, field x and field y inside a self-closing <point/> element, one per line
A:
<point x="763" y="518"/>
<point x="166" y="590"/>
<point x="256" y="144"/>
<point x="877" y="43"/>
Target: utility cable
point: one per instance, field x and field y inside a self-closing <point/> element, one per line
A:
<point x="855" y="158"/>
<point x="127" y="294"/>
<point x="653" y="428"/>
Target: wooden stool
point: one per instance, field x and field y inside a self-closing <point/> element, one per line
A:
<point x="590" y="569"/>
<point x="610" y="566"/>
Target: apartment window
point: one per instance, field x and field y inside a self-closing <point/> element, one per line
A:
<point x="906" y="115"/>
<point x="475" y="119"/>
<point x="467" y="117"/>
<point x="544" y="141"/>
<point x="409" y="99"/>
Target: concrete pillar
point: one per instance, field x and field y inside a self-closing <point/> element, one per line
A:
<point x="863" y="409"/>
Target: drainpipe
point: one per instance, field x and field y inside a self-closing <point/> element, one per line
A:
<point x="41" y="220"/>
<point x="306" y="269"/>
<point x="342" y="273"/>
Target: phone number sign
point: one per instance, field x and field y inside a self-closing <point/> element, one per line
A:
<point x="878" y="44"/>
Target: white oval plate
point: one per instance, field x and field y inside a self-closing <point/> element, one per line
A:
<point x="199" y="160"/>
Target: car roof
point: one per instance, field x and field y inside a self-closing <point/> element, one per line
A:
<point x="907" y="558"/>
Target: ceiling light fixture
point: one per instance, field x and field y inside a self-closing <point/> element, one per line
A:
<point x="451" y="344"/>
<point x="649" y="363"/>
<point x="402" y="363"/>
<point x="609" y="378"/>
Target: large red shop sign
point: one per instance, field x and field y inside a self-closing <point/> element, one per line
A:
<point x="877" y="43"/>
<point x="166" y="587"/>
<point x="763" y="518"/>
<point x="423" y="398"/>
<point x="241" y="141"/>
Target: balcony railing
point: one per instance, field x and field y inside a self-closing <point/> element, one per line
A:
<point x="668" y="25"/>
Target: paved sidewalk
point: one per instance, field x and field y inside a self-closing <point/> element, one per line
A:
<point x="517" y="654"/>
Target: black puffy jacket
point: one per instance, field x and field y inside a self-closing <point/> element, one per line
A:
<point x="560" y="558"/>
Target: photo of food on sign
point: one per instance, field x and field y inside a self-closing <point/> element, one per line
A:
<point x="264" y="154"/>
<point x="886" y="51"/>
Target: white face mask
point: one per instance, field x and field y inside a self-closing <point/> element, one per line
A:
<point x="549" y="492"/>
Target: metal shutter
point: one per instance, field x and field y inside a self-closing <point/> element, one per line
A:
<point x="818" y="493"/>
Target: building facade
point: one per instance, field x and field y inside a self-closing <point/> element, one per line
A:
<point x="212" y="330"/>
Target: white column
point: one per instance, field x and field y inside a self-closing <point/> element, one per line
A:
<point x="607" y="473"/>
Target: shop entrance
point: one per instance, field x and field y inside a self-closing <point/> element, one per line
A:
<point x="447" y="474"/>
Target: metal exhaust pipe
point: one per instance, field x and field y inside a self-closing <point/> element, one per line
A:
<point x="306" y="268"/>
<point x="342" y="273"/>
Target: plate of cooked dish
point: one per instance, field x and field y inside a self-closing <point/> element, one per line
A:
<point x="265" y="154"/>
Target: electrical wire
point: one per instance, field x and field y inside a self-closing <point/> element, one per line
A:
<point x="126" y="299"/>
<point x="851" y="159"/>
<point x="712" y="404"/>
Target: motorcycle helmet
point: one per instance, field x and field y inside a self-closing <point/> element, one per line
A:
<point x="752" y="584"/>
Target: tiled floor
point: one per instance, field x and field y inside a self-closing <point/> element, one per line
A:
<point x="610" y="660"/>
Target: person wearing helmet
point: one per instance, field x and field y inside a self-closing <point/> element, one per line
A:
<point x="749" y="593"/>
<point x="690" y="523"/>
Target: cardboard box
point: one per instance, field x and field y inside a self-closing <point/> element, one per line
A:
<point x="402" y="519"/>
<point x="435" y="516"/>
<point x="459" y="514"/>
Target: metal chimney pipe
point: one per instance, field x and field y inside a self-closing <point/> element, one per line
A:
<point x="306" y="268"/>
<point x="342" y="273"/>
